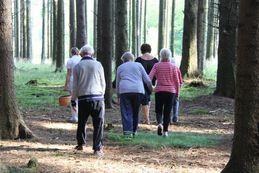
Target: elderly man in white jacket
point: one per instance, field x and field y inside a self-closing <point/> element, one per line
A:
<point x="89" y="88"/>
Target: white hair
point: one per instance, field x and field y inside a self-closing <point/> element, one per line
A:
<point x="87" y="50"/>
<point x="165" y="54"/>
<point x="127" y="56"/>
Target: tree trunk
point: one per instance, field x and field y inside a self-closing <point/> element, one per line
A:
<point x="134" y="30"/>
<point x="201" y="33"/>
<point x="95" y="23"/>
<point x="121" y="29"/>
<point x="54" y="29"/>
<point x="86" y="23"/>
<point x="105" y="53"/>
<point x="60" y="37"/>
<point x="43" y="56"/>
<point x="17" y="34"/>
<point x="72" y="23"/>
<point x="80" y="20"/>
<point x="161" y="25"/>
<point x="172" y="28"/>
<point x="245" y="153"/>
<point x="12" y="125"/>
<point x="138" y="26"/>
<point x="210" y="30"/>
<point x="28" y="31"/>
<point x="228" y="24"/>
<point x="145" y="22"/>
<point x="50" y="29"/>
<point x="189" y="63"/>
<point x="24" y="31"/>
<point x="22" y="16"/>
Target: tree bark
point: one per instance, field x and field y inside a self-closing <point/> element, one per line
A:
<point x="210" y="30"/>
<point x="134" y="30"/>
<point x="201" y="33"/>
<point x="172" y="27"/>
<point x="12" y="125"/>
<point x="60" y="37"/>
<point x="17" y="27"/>
<point x="161" y="25"/>
<point x="245" y="150"/>
<point x="95" y="23"/>
<point x="72" y="23"/>
<point x="28" y="31"/>
<point x="22" y="17"/>
<point x="43" y="55"/>
<point x="81" y="26"/>
<point x="189" y="63"/>
<point x="228" y="23"/>
<point x="105" y="53"/>
<point x="145" y="22"/>
<point x="121" y="29"/>
<point x="54" y="29"/>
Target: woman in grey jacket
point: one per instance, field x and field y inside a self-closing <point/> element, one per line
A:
<point x="130" y="89"/>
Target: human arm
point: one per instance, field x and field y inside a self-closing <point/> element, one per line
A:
<point x="102" y="78"/>
<point x="146" y="78"/>
<point x="67" y="83"/>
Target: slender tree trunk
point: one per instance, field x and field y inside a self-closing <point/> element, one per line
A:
<point x="134" y="30"/>
<point x="161" y="25"/>
<point x="24" y="32"/>
<point x="60" y="37"/>
<point x="105" y="53"/>
<point x="17" y="27"/>
<point x="28" y="30"/>
<point x="55" y="36"/>
<point x="172" y="28"/>
<point x="95" y="23"/>
<point x="22" y="16"/>
<point x="72" y="23"/>
<point x="189" y="63"/>
<point x="138" y="26"/>
<point x="145" y="22"/>
<point x="210" y="30"/>
<point x="12" y="125"/>
<point x="81" y="26"/>
<point x="86" y="22"/>
<point x="43" y="56"/>
<point x="201" y="33"/>
<point x="50" y="29"/>
<point x="130" y="24"/>
<point x="245" y="150"/>
<point x="121" y="29"/>
<point x="228" y="24"/>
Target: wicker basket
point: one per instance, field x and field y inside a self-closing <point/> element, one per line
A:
<point x="64" y="100"/>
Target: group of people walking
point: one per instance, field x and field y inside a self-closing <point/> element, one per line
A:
<point x="135" y="81"/>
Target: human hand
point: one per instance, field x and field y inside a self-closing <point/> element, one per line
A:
<point x="73" y="104"/>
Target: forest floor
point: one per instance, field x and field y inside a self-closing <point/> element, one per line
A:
<point x="199" y="143"/>
<point x="56" y="140"/>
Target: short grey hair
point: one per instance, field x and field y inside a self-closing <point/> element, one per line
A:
<point x="165" y="54"/>
<point x="127" y="56"/>
<point x="87" y="50"/>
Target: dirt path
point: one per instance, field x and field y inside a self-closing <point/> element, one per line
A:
<point x="54" y="148"/>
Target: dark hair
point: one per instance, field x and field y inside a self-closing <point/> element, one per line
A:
<point x="74" y="51"/>
<point x="145" y="48"/>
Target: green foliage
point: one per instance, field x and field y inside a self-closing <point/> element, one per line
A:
<point x="47" y="90"/>
<point x="175" y="139"/>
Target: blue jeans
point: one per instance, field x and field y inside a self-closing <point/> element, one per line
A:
<point x="175" y="109"/>
<point x="130" y="105"/>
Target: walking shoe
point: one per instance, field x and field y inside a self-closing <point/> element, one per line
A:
<point x="159" y="129"/>
<point x="73" y="119"/>
<point x="99" y="153"/>
<point x="79" y="147"/>
<point x="165" y="134"/>
<point x="175" y="119"/>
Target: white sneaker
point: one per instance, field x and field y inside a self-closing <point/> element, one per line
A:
<point x="73" y="119"/>
<point x="165" y="134"/>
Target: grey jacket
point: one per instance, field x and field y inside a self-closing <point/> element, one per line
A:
<point x="88" y="79"/>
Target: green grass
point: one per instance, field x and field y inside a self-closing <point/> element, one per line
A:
<point x="199" y="111"/>
<point x="175" y="139"/>
<point x="45" y="93"/>
<point x="190" y="93"/>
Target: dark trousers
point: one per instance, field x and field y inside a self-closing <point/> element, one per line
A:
<point x="96" y="110"/>
<point x="130" y="105"/>
<point x="163" y="106"/>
